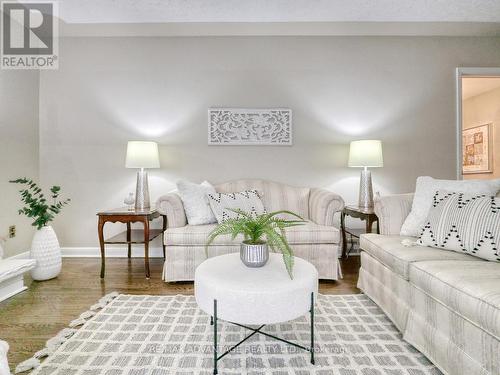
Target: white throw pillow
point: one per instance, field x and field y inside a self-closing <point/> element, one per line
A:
<point x="194" y="199"/>
<point x="427" y="187"/>
<point x="465" y="223"/>
<point x="247" y="201"/>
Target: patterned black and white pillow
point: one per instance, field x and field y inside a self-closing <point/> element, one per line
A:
<point x="247" y="201"/>
<point x="464" y="223"/>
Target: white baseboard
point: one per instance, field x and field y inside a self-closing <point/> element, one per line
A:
<point x="118" y="252"/>
<point x="95" y="252"/>
<point x="111" y="252"/>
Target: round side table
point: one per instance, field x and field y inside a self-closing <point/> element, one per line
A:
<point x="226" y="289"/>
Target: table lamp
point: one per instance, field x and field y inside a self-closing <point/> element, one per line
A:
<point x="141" y="154"/>
<point x="366" y="153"/>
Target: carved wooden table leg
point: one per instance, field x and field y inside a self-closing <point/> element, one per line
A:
<point x="368" y="223"/>
<point x="344" y="236"/>
<point x="146" y="246"/>
<point x="129" y="245"/>
<point x="163" y="234"/>
<point x="102" y="221"/>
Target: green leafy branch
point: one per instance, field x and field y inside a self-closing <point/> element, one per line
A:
<point x="37" y="205"/>
<point x="260" y="229"/>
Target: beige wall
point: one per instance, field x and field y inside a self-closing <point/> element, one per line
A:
<point x="484" y="109"/>
<point x="18" y="151"/>
<point x="111" y="90"/>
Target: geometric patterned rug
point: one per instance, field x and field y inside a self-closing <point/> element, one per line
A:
<point x="164" y="335"/>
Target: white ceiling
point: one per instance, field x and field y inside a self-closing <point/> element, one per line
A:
<point x="158" y="11"/>
<point x="473" y="86"/>
<point x="279" y="17"/>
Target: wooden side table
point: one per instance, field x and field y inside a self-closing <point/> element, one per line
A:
<point x="130" y="236"/>
<point x="366" y="214"/>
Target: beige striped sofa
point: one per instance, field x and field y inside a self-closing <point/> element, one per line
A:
<point x="446" y="304"/>
<point x="318" y="241"/>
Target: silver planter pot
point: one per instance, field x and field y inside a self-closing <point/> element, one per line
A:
<point x="254" y="255"/>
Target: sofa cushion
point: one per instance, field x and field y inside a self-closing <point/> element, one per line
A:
<point x="389" y="251"/>
<point x="472" y="289"/>
<point x="196" y="235"/>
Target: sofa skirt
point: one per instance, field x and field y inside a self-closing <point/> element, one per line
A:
<point x="449" y="340"/>
<point x="388" y="290"/>
<point x="183" y="260"/>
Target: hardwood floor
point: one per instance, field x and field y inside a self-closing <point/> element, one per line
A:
<point x="29" y="319"/>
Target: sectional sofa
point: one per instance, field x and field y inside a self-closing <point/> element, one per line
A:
<point x="446" y="304"/>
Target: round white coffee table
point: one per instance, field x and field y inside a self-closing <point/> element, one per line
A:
<point x="226" y="289"/>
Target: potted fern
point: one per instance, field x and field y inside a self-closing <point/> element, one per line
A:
<point x="260" y="233"/>
<point x="45" y="246"/>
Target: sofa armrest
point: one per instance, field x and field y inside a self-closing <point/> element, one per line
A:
<point x="4" y="363"/>
<point x="171" y="206"/>
<point x="392" y="211"/>
<point x="323" y="204"/>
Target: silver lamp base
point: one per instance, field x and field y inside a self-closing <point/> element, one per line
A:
<point x="142" y="191"/>
<point x="365" y="190"/>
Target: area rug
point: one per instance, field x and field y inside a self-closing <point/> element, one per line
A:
<point x="163" y="335"/>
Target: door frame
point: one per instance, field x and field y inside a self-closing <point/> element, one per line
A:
<point x="459" y="74"/>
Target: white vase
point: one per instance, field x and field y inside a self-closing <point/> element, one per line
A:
<point x="47" y="253"/>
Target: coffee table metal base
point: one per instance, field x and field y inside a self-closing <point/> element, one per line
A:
<point x="217" y="357"/>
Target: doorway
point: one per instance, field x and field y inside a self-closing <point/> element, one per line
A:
<point x="478" y="123"/>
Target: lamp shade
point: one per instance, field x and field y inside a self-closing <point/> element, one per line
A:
<point x="142" y="154"/>
<point x="366" y="153"/>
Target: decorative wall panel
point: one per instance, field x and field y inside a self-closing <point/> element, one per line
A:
<point x="236" y="126"/>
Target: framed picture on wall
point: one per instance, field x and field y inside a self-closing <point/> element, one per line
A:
<point x="477" y="150"/>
